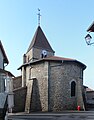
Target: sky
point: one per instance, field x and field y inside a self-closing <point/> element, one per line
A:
<point x="64" y="23"/>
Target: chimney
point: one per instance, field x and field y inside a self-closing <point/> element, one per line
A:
<point x="24" y="58"/>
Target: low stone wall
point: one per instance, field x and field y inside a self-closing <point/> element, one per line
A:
<point x="90" y="96"/>
<point x="19" y="99"/>
<point x="17" y="82"/>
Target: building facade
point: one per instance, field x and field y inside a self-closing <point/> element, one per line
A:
<point x="6" y="94"/>
<point x="51" y="83"/>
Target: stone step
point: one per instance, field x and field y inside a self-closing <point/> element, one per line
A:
<point x="73" y="115"/>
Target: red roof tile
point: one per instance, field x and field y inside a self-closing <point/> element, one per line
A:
<point x="54" y="58"/>
<point x="89" y="89"/>
<point x="58" y="58"/>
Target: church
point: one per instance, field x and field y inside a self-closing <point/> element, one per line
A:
<point x="48" y="83"/>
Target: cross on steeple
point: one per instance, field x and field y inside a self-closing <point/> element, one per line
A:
<point x="39" y="15"/>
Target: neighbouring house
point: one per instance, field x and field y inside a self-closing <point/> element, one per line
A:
<point x="5" y="84"/>
<point x="89" y="99"/>
<point x="48" y="82"/>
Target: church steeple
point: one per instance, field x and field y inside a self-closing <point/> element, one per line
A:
<point x="39" y="43"/>
<point x="39" y="15"/>
<point x="39" y="46"/>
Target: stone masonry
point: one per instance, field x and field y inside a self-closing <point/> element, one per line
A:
<point x="17" y="82"/>
<point x="52" y="83"/>
<point x="39" y="88"/>
<point x="61" y="76"/>
<point x="51" y="90"/>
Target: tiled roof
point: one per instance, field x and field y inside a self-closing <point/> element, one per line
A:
<point x="54" y="58"/>
<point x="89" y="89"/>
<point x="40" y="41"/>
<point x="57" y="58"/>
<point x="4" y="54"/>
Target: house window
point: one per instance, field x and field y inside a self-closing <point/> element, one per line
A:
<point x="73" y="88"/>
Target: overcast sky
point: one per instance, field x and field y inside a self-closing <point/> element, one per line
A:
<point x="64" y="23"/>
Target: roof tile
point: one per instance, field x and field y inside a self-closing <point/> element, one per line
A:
<point x="40" y="41"/>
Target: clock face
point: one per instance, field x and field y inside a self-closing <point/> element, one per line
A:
<point x="44" y="53"/>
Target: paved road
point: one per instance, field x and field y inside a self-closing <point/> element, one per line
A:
<point x="88" y="115"/>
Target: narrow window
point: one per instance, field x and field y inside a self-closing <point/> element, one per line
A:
<point x="73" y="88"/>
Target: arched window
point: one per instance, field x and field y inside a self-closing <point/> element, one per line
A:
<point x="73" y="88"/>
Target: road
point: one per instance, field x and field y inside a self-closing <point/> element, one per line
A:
<point x="78" y="115"/>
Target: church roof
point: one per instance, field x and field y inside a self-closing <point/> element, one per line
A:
<point x="40" y="41"/>
<point x="55" y="58"/>
<point x="4" y="54"/>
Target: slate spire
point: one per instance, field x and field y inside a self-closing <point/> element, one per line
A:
<point x="40" y="41"/>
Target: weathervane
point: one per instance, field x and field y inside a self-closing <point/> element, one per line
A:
<point x="39" y="15"/>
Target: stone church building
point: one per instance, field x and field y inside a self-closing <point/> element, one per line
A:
<point x="48" y="82"/>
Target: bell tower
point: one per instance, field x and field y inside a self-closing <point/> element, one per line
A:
<point x="39" y="47"/>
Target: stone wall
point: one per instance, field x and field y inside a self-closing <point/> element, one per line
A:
<point x="17" y="82"/>
<point x="39" y="96"/>
<point x="33" y="101"/>
<point x="60" y="78"/>
<point x="29" y="55"/>
<point x="49" y="87"/>
<point x="19" y="99"/>
<point x="90" y="100"/>
<point x="35" y="54"/>
<point x="90" y="95"/>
